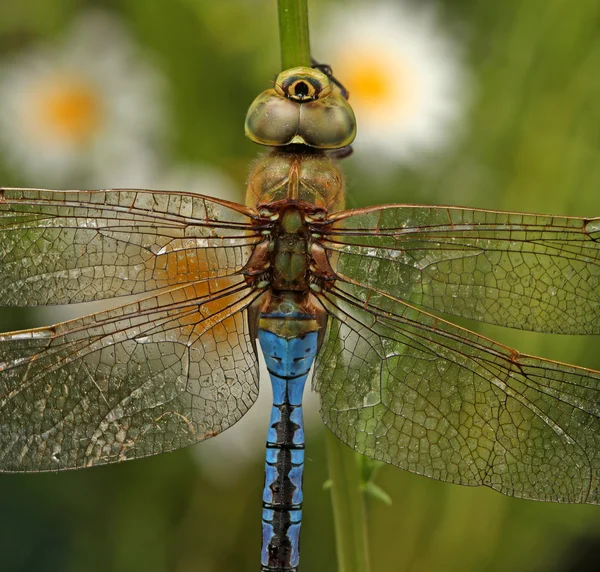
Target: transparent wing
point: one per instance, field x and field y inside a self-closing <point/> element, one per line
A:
<point x="77" y="246"/>
<point x="142" y="379"/>
<point x="404" y="387"/>
<point x="524" y="271"/>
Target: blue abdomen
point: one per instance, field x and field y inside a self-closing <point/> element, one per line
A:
<point x="288" y="361"/>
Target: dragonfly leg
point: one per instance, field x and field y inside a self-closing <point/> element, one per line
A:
<point x="326" y="69"/>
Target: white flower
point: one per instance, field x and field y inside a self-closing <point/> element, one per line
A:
<point x="407" y="82"/>
<point x="85" y="112"/>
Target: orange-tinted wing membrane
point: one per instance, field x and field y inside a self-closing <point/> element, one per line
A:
<point x="61" y="247"/>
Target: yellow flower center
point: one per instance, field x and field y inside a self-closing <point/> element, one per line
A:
<point x="68" y="109"/>
<point x="380" y="86"/>
<point x="367" y="82"/>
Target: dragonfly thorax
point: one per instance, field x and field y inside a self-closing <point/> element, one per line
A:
<point x="289" y="260"/>
<point x="308" y="178"/>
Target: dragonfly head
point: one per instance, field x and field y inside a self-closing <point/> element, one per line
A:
<point x="302" y="109"/>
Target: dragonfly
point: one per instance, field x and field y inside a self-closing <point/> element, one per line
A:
<point x="359" y="294"/>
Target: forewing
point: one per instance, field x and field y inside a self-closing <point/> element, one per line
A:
<point x="142" y="379"/>
<point x="61" y="247"/>
<point x="524" y="271"/>
<point x="404" y="387"/>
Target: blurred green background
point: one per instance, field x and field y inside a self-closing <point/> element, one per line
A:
<point x="529" y="141"/>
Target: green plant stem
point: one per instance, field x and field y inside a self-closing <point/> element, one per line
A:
<point x="293" y="33"/>
<point x="348" y="506"/>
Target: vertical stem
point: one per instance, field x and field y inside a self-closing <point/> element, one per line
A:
<point x="348" y="506"/>
<point x="293" y="33"/>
